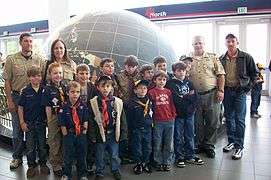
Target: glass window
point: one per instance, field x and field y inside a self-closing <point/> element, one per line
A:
<point x="12" y="47"/>
<point x="224" y="30"/>
<point x="38" y="46"/>
<point x="177" y="35"/>
<point x="256" y="45"/>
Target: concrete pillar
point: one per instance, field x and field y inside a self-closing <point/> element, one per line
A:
<point x="58" y="13"/>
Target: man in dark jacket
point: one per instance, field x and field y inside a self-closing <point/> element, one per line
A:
<point x="241" y="73"/>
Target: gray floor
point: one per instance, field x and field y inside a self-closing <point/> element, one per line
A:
<point x="255" y="164"/>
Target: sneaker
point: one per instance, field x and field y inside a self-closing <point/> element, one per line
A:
<point x="210" y="153"/>
<point x="147" y="167"/>
<point x="58" y="173"/>
<point x="126" y="160"/>
<point x="99" y="177"/>
<point x="159" y="167"/>
<point x="138" y="169"/>
<point x="44" y="169"/>
<point x="90" y="170"/>
<point x="255" y="116"/>
<point x="199" y="150"/>
<point x="15" y="163"/>
<point x="84" y="178"/>
<point x="64" y="177"/>
<point x="167" y="167"/>
<point x="31" y="172"/>
<point x="196" y="160"/>
<point x="229" y="147"/>
<point x="117" y="175"/>
<point x="180" y="163"/>
<point x="238" y="153"/>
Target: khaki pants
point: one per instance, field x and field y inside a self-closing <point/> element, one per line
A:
<point x="207" y="121"/>
<point x="54" y="141"/>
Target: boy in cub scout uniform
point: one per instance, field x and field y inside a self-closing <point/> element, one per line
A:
<point x="108" y="126"/>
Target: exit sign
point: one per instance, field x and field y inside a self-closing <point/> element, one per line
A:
<point x="242" y="10"/>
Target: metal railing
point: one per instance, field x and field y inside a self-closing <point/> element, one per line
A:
<point x="5" y="116"/>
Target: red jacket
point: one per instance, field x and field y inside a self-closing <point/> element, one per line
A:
<point x="164" y="109"/>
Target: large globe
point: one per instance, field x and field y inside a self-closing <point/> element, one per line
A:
<point x="114" y="34"/>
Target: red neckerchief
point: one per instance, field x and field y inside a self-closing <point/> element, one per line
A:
<point x="105" y="114"/>
<point x="75" y="118"/>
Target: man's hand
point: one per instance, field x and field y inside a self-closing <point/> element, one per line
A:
<point x="24" y="127"/>
<point x="220" y="96"/>
<point x="11" y="105"/>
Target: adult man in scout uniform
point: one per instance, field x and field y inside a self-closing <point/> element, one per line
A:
<point x="15" y="80"/>
<point x="207" y="75"/>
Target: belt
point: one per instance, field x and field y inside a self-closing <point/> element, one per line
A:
<point x="16" y="92"/>
<point x="237" y="88"/>
<point x="207" y="92"/>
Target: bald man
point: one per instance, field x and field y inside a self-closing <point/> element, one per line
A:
<point x="207" y="75"/>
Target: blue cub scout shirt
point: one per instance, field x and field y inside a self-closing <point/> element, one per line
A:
<point x="51" y="96"/>
<point x="30" y="100"/>
<point x="65" y="115"/>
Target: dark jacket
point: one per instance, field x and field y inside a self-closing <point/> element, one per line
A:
<point x="30" y="100"/>
<point x="184" y="102"/>
<point x="246" y="69"/>
<point x="53" y="96"/>
<point x="91" y="92"/>
<point x="65" y="114"/>
<point x="96" y="131"/>
<point x="135" y="113"/>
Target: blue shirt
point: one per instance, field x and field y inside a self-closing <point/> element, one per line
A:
<point x="51" y="96"/>
<point x="65" y="114"/>
<point x="30" y="100"/>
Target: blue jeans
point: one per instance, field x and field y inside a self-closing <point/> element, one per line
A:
<point x="255" y="98"/>
<point x="17" y="133"/>
<point x="112" y="147"/>
<point x="163" y="149"/>
<point x="184" y="138"/>
<point x="141" y="144"/>
<point x="235" y="114"/>
<point x="90" y="153"/>
<point x="74" y="149"/>
<point x="36" y="141"/>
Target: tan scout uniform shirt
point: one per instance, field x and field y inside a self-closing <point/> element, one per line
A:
<point x="126" y="83"/>
<point x="69" y="69"/>
<point x="204" y="71"/>
<point x="231" y="78"/>
<point x="16" y="67"/>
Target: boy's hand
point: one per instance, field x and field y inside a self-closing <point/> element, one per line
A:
<point x="192" y="92"/>
<point x="64" y="133"/>
<point x="11" y="105"/>
<point x="220" y="96"/>
<point x="24" y="127"/>
<point x="93" y="140"/>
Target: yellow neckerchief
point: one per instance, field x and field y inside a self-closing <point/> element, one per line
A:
<point x="36" y="88"/>
<point x="61" y="93"/>
<point x="145" y="105"/>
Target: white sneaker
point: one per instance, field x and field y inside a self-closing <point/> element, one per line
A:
<point x="84" y="178"/>
<point x="238" y="153"/>
<point x="64" y="177"/>
<point x="15" y="163"/>
<point x="229" y="147"/>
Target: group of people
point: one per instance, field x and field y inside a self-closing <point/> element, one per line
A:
<point x="143" y="114"/>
